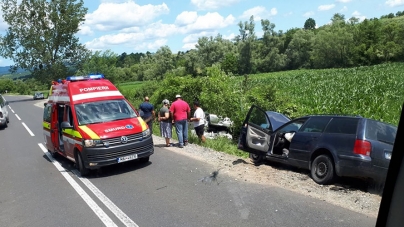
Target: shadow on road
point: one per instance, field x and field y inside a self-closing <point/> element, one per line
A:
<point x="105" y="171"/>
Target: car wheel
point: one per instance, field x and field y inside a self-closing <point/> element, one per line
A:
<point x="80" y="165"/>
<point x="256" y="158"/>
<point x="322" y="170"/>
<point x="5" y="124"/>
<point x="144" y="160"/>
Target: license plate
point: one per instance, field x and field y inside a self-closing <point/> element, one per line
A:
<point x="127" y="158"/>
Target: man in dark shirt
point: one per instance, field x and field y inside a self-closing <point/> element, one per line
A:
<point x="148" y="113"/>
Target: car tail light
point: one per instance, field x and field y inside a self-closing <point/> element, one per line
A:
<point x="362" y="147"/>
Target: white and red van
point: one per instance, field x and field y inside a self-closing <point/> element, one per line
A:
<point x="88" y="121"/>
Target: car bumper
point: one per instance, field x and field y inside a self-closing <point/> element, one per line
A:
<point x="360" y="167"/>
<point x="97" y="157"/>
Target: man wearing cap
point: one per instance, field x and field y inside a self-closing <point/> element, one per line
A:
<point x="148" y="113"/>
<point x="181" y="112"/>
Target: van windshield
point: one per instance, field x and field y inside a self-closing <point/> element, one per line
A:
<point x="103" y="111"/>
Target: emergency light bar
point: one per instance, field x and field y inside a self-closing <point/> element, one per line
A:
<point x="89" y="77"/>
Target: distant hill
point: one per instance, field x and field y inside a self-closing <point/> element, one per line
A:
<point x="5" y="73"/>
<point x="4" y="70"/>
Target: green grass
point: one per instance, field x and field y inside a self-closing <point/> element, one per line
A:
<point x="219" y="144"/>
<point x="130" y="85"/>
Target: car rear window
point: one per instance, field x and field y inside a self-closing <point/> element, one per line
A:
<point x="376" y="130"/>
<point x="342" y="125"/>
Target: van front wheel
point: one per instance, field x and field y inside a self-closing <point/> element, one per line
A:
<point x="80" y="165"/>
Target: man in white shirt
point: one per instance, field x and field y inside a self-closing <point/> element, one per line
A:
<point x="199" y="121"/>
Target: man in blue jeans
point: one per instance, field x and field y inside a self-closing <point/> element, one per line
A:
<point x="181" y="112"/>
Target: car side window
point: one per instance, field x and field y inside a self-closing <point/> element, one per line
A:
<point x="258" y="118"/>
<point x="343" y="125"/>
<point x="315" y="124"/>
<point x="380" y="131"/>
<point x="292" y="126"/>
<point x="47" y="113"/>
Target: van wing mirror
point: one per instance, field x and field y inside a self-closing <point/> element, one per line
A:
<point x="66" y="125"/>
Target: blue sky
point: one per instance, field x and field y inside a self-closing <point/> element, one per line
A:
<point x="140" y="26"/>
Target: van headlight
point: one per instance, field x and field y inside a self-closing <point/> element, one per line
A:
<point x="91" y="143"/>
<point x="146" y="133"/>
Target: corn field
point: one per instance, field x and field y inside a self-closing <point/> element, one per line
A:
<point x="375" y="92"/>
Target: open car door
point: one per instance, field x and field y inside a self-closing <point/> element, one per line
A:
<point x="256" y="132"/>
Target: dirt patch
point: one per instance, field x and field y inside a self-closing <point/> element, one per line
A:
<point x="355" y="195"/>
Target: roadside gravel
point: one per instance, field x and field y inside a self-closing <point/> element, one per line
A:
<point x="354" y="195"/>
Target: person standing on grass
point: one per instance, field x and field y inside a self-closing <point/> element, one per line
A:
<point x="199" y="121"/>
<point x="181" y="112"/>
<point x="165" y="122"/>
<point x="148" y="113"/>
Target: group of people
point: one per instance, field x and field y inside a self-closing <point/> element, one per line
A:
<point x="177" y="114"/>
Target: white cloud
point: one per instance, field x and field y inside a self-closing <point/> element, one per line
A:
<point x="150" y="45"/>
<point x="343" y="1"/>
<point x="308" y="14"/>
<point x="186" y="17"/>
<point x="115" y="16"/>
<point x="326" y="7"/>
<point x="259" y="12"/>
<point x="358" y="15"/>
<point x="150" y="35"/>
<point x="156" y="31"/>
<point x="229" y="37"/>
<point x="394" y="3"/>
<point x="344" y="9"/>
<point x="189" y="46"/>
<point x="208" y="22"/>
<point x="212" y="4"/>
<point x="193" y="38"/>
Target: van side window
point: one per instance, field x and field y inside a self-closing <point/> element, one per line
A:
<point x="47" y="113"/>
<point x="315" y="124"/>
<point x="343" y="125"/>
<point x="69" y="115"/>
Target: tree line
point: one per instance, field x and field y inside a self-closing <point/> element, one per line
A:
<point x="340" y="44"/>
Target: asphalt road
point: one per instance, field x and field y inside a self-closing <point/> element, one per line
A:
<point x="37" y="190"/>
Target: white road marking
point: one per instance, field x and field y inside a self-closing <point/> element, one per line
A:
<point x="29" y="130"/>
<point x="18" y="117"/>
<point x="106" y="201"/>
<point x="11" y="109"/>
<point x="90" y="202"/>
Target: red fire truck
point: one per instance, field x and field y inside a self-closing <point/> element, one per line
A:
<point x="88" y="121"/>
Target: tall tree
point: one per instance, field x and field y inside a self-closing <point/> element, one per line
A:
<point x="101" y="63"/>
<point x="267" y="56"/>
<point x="245" y="43"/>
<point x="41" y="36"/>
<point x="299" y="49"/>
<point x="310" y="24"/>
